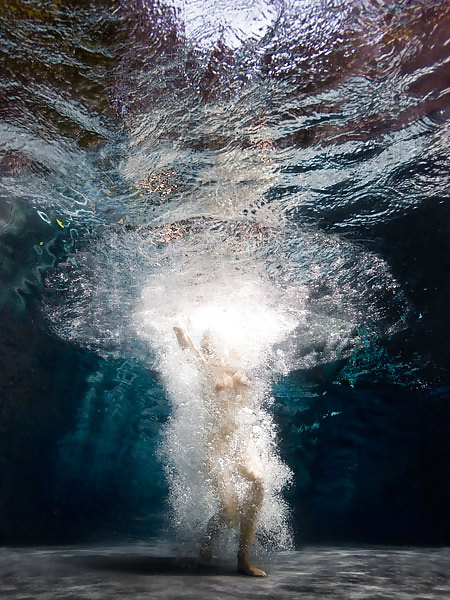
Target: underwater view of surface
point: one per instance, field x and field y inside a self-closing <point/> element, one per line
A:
<point x="273" y="174"/>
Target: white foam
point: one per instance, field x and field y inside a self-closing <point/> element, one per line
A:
<point x="242" y="318"/>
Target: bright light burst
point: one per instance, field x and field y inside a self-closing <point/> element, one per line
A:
<point x="242" y="320"/>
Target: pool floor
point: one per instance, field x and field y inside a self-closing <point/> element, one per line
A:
<point x="152" y="571"/>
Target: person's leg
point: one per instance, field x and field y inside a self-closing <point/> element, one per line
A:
<point x="249" y="514"/>
<point x="227" y="516"/>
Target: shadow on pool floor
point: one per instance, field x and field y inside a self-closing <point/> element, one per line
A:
<point x="152" y="565"/>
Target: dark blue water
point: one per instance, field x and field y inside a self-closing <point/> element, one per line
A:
<point x="298" y="146"/>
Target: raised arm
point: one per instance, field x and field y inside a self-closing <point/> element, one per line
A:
<point x="186" y="344"/>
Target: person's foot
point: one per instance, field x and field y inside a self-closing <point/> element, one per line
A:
<point x="245" y="567"/>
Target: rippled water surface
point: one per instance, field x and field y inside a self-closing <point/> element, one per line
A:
<point x="263" y="161"/>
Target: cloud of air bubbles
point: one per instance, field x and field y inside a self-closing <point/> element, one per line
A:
<point x="244" y="321"/>
<point x="270" y="300"/>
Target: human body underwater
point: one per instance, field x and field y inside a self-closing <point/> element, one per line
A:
<point x="224" y="241"/>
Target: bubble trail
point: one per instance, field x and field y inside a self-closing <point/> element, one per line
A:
<point x="212" y="434"/>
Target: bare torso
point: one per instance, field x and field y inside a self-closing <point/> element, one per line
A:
<point x="226" y="393"/>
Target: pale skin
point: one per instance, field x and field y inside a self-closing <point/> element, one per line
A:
<point x="227" y="392"/>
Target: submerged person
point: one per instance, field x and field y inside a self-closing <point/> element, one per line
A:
<point x="232" y="462"/>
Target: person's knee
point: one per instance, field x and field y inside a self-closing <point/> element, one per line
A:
<point x="253" y="477"/>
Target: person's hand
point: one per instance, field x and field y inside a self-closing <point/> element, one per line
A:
<point x="181" y="337"/>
